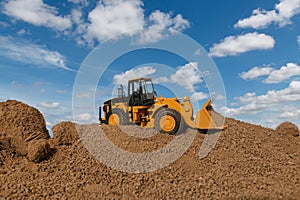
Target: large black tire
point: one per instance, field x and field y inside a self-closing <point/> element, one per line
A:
<point x="123" y="118"/>
<point x="177" y="128"/>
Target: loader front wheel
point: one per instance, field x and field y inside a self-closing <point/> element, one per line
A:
<point x="116" y="117"/>
<point x="167" y="121"/>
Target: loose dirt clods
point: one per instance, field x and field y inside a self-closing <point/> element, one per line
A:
<point x="38" y="150"/>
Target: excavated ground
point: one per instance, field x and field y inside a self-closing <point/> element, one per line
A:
<point x="247" y="162"/>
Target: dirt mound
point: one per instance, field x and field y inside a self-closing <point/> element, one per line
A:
<point x="287" y="128"/>
<point x="38" y="150"/>
<point x="21" y="121"/>
<point x="65" y="133"/>
<point x="248" y="162"/>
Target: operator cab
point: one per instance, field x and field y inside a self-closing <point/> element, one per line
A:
<point x="140" y="92"/>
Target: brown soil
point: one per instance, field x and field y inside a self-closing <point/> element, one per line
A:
<point x="21" y="121"/>
<point x="287" y="128"/>
<point x="248" y="162"/>
<point x="38" y="150"/>
<point x="65" y="133"/>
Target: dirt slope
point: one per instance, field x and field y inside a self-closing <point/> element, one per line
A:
<point x="248" y="162"/>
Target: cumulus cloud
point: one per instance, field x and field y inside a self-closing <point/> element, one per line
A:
<point x="162" y="26"/>
<point x="76" y="16"/>
<point x="281" y="14"/>
<point x="234" y="45"/>
<point x="252" y="103"/>
<point x="108" y="19"/>
<point x="186" y="76"/>
<point x="289" y="114"/>
<point x="36" y="12"/>
<point x="256" y="72"/>
<point x="82" y="2"/>
<point x="189" y="73"/>
<point x="83" y="117"/>
<point x="298" y="40"/>
<point x="111" y="18"/>
<point x="272" y="75"/>
<point x="29" y="53"/>
<point x="49" y="105"/>
<point x="123" y="78"/>
<point x="198" y="96"/>
<point x="248" y="97"/>
<point x="284" y="73"/>
<point x="22" y="32"/>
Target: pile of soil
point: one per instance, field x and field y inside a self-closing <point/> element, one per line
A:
<point x="287" y="128"/>
<point x="248" y="162"/>
<point x="65" y="133"/>
<point x="21" y="121"/>
<point x="20" y="124"/>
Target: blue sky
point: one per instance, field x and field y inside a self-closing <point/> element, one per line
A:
<point x="255" y="45"/>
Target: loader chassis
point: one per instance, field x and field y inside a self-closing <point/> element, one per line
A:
<point x="141" y="107"/>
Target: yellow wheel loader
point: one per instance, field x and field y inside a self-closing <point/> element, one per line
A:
<point x="142" y="107"/>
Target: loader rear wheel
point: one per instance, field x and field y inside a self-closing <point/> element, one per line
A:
<point x="168" y="121"/>
<point x="116" y="117"/>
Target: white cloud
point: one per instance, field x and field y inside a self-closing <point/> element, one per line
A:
<point x="111" y="18"/>
<point x="189" y="73"/>
<point x="85" y="95"/>
<point x="253" y="103"/>
<point x="49" y="124"/>
<point x="256" y="72"/>
<point x="219" y="97"/>
<point x="281" y="15"/>
<point x="298" y="40"/>
<point x="36" y="12"/>
<point x="4" y="24"/>
<point x="162" y="25"/>
<point x="162" y="79"/>
<point x="186" y="76"/>
<point x="198" y="96"/>
<point x="284" y="73"/>
<point x="114" y="17"/>
<point x="83" y="2"/>
<point x="273" y="75"/>
<point x="76" y="16"/>
<point x="248" y="97"/>
<point x="22" y="32"/>
<point x="290" y="111"/>
<point x="289" y="114"/>
<point x="83" y="117"/>
<point x="234" y="45"/>
<point x="133" y="73"/>
<point x="42" y="90"/>
<point x="49" y="105"/>
<point x="29" y="53"/>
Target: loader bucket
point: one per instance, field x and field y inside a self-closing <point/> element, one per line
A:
<point x="204" y="120"/>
